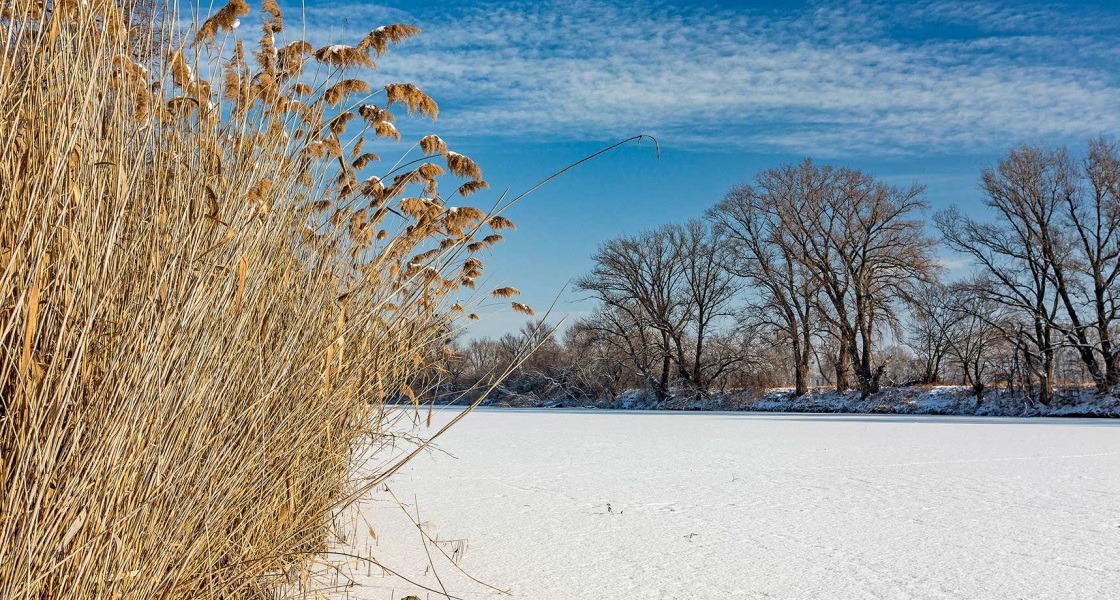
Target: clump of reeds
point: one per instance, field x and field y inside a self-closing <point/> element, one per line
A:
<point x="207" y="294"/>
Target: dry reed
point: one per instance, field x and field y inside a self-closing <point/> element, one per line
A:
<point x="205" y="305"/>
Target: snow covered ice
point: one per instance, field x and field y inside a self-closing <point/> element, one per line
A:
<point x="566" y="504"/>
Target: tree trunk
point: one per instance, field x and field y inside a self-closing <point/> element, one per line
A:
<point x="802" y="356"/>
<point x="1112" y="369"/>
<point x="698" y="364"/>
<point x="874" y="385"/>
<point x="1044" y="389"/>
<point x="868" y="379"/>
<point x="801" y="374"/>
<point x="666" y="364"/>
<point x="682" y="362"/>
<point x="842" y="366"/>
<point x="1046" y="378"/>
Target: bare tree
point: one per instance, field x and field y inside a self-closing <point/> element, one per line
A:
<point x="886" y="254"/>
<point x="772" y="260"/>
<point x="865" y="248"/>
<point x="482" y="359"/>
<point x="597" y="363"/>
<point x="1051" y="254"/>
<point x="977" y="329"/>
<point x="931" y="320"/>
<point x="711" y="290"/>
<point x="621" y="332"/>
<point x="1091" y="216"/>
<point x="643" y="278"/>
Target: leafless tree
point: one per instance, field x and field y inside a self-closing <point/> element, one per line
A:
<point x="931" y="320"/>
<point x="626" y="343"/>
<point x="879" y="243"/>
<point x="1052" y="253"/>
<point x="1091" y="218"/>
<point x="711" y="290"/>
<point x="773" y="261"/>
<point x="857" y="237"/>
<point x="977" y="330"/>
<point x="483" y="359"/>
<point x="665" y="293"/>
<point x="597" y="363"/>
<point x="643" y="279"/>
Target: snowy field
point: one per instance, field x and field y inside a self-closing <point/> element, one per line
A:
<point x="573" y="505"/>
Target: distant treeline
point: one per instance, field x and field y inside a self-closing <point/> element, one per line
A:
<point x="814" y="274"/>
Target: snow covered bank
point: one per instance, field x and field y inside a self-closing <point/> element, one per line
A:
<point x="910" y="400"/>
<point x="941" y="400"/>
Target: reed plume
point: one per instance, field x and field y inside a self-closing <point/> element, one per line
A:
<point x="416" y="101"/>
<point x="432" y="144"/>
<point x="226" y="19"/>
<point x="343" y="56"/>
<point x="379" y="39"/>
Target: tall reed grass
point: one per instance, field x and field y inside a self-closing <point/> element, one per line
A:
<point x="209" y="290"/>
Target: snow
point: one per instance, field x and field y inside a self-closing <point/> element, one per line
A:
<point x="627" y="505"/>
<point x="927" y="400"/>
<point x="941" y="400"/>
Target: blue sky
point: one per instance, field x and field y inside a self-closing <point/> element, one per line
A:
<point x="925" y="91"/>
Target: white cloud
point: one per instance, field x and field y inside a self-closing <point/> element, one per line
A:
<point x="836" y="78"/>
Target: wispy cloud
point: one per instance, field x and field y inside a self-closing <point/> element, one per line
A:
<point x="833" y="78"/>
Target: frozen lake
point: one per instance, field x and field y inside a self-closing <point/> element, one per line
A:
<point x="573" y="505"/>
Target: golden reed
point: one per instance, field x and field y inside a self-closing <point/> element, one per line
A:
<point x="208" y="293"/>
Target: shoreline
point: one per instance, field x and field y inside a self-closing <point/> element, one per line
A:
<point x="911" y="400"/>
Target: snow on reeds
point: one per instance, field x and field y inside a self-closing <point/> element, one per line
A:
<point x="208" y="293"/>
